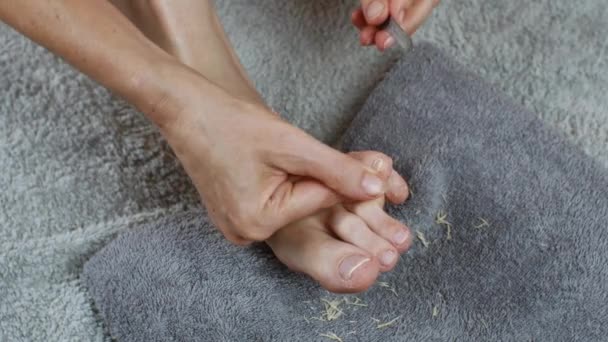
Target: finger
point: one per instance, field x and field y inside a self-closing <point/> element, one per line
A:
<point x="382" y="224"/>
<point x="399" y="7"/>
<point x="352" y="229"/>
<point x="302" y="155"/>
<point x="416" y="15"/>
<point x="376" y="11"/>
<point x="294" y="201"/>
<point x="367" y="35"/>
<point x="384" y="40"/>
<point x="358" y="19"/>
<point x="377" y="161"/>
<point x="398" y="190"/>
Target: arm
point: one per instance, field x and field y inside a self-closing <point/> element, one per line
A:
<point x="98" y="40"/>
<point x="239" y="155"/>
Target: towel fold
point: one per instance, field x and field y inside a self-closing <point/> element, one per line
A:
<point x="513" y="219"/>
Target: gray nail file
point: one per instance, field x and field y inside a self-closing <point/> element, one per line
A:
<point x="401" y="37"/>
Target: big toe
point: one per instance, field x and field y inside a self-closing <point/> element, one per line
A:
<point x="307" y="247"/>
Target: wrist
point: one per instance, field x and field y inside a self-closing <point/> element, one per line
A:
<point x="157" y="89"/>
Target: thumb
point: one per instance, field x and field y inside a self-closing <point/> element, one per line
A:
<point x="375" y="11"/>
<point x="351" y="178"/>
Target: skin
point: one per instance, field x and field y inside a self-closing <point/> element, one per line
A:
<point x="344" y="247"/>
<point x="281" y="186"/>
<point x="255" y="172"/>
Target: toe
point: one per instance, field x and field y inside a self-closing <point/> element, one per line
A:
<point x="352" y="229"/>
<point x="384" y="40"/>
<point x="382" y="224"/>
<point x="307" y="247"/>
<point x="398" y="190"/>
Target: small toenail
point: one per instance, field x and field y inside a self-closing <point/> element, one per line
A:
<point x="400" y="238"/>
<point x="388" y="258"/>
<point x="389" y="42"/>
<point x="350" y="264"/>
<point x="378" y="164"/>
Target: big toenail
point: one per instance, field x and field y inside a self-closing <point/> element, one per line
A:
<point x="349" y="265"/>
<point x="400" y="237"/>
<point x="388" y="258"/>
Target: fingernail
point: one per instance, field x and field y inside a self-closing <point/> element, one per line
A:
<point x="372" y="185"/>
<point x="378" y="164"/>
<point x="389" y="42"/>
<point x="374" y="10"/>
<point x="388" y="258"/>
<point x="400" y="238"/>
<point x="349" y="265"/>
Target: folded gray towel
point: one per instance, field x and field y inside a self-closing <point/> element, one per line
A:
<point x="511" y="223"/>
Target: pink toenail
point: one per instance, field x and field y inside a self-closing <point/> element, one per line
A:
<point x="400" y="238"/>
<point x="388" y="258"/>
<point x="389" y="42"/>
<point x="350" y="264"/>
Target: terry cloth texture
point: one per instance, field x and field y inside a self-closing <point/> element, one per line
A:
<point x="78" y="165"/>
<point x="514" y="217"/>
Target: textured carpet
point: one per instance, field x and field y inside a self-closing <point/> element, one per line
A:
<point x="520" y="254"/>
<point x="79" y="165"/>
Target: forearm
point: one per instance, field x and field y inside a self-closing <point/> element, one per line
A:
<point x="191" y="31"/>
<point x="98" y="40"/>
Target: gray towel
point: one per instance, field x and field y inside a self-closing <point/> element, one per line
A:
<point x="512" y="226"/>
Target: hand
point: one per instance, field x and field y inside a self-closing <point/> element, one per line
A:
<point x="410" y="14"/>
<point x="255" y="172"/>
<point x="345" y="247"/>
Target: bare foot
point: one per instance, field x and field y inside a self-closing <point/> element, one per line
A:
<point x="345" y="247"/>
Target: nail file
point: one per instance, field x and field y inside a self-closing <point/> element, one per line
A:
<point x="401" y="37"/>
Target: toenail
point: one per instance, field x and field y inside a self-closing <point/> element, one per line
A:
<point x="389" y="42"/>
<point x="372" y="185"/>
<point x="400" y="238"/>
<point x="350" y="264"/>
<point x="378" y="164"/>
<point x="401" y="16"/>
<point x="388" y="258"/>
<point x="374" y="10"/>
